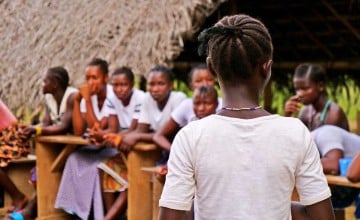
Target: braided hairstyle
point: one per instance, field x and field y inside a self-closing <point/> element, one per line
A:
<point x="235" y="46"/>
<point x="314" y="72"/>
<point x="60" y="75"/>
<point x="126" y="71"/>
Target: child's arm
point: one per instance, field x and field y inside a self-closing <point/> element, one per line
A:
<point x="161" y="137"/>
<point x="330" y="161"/>
<point x="321" y="211"/>
<point x="77" y="117"/>
<point x="166" y="213"/>
<point x="353" y="172"/>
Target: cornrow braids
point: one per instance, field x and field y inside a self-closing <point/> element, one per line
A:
<point x="59" y="74"/>
<point x="314" y="72"/>
<point x="235" y="45"/>
<point x="126" y="71"/>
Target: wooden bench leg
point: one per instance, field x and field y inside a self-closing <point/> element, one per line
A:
<point x="140" y="186"/>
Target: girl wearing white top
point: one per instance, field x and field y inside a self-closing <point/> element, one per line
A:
<point x="80" y="190"/>
<point x="182" y="114"/>
<point x="158" y="104"/>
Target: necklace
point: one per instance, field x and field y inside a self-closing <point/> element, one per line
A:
<point x="241" y="109"/>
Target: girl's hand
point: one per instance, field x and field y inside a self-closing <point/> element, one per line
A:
<point x="85" y="92"/>
<point x="112" y="140"/>
<point x="292" y="106"/>
<point x="128" y="142"/>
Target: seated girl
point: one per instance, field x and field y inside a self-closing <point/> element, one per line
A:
<point x="158" y="104"/>
<point x="205" y="103"/>
<point x="59" y="100"/>
<point x="123" y="106"/>
<point x="309" y="83"/>
<point x="80" y="190"/>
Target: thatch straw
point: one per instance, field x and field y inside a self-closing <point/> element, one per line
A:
<point x="36" y="35"/>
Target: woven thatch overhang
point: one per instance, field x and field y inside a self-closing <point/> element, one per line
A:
<point x="36" y="35"/>
<point x="322" y="31"/>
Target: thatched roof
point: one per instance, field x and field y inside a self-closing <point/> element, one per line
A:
<point x="36" y="35"/>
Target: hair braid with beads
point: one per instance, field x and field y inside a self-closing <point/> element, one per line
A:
<point x="235" y="46"/>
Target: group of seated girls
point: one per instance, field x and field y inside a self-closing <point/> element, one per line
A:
<point x="329" y="128"/>
<point x="115" y="116"/>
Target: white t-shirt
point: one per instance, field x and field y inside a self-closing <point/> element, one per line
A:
<point x="329" y="137"/>
<point x="243" y="169"/>
<point x="125" y="114"/>
<point x="151" y="114"/>
<point x="99" y="113"/>
<point x="184" y="113"/>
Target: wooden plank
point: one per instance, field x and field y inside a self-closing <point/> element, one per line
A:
<point x="47" y="181"/>
<point x="60" y="160"/>
<point x="140" y="195"/>
<point x="62" y="139"/>
<point x="341" y="181"/>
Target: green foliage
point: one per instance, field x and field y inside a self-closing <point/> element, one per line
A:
<point x="345" y="93"/>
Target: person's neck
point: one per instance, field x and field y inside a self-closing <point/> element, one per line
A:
<point x="126" y="101"/>
<point x="320" y="103"/>
<point x="58" y="95"/>
<point x="241" y="97"/>
<point x="101" y="96"/>
<point x="162" y="104"/>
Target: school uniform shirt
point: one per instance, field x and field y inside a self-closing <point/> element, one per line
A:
<point x="152" y="115"/>
<point x="125" y="114"/>
<point x="184" y="113"/>
<point x="330" y="137"/>
<point x="234" y="167"/>
<point x="99" y="113"/>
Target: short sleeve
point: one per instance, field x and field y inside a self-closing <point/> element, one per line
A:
<point x="328" y="138"/>
<point x="82" y="106"/>
<point x="311" y="183"/>
<point x="109" y="108"/>
<point x="179" y="188"/>
<point x="144" y="114"/>
<point x="179" y="114"/>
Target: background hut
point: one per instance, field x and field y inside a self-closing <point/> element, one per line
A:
<point x="36" y="35"/>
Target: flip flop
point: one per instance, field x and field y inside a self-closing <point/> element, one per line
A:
<point x="15" y="216"/>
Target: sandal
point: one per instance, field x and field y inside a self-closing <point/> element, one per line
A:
<point x="14" y="216"/>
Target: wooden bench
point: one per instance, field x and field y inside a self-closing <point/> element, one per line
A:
<point x="341" y="181"/>
<point x="19" y="172"/>
<point x="52" y="152"/>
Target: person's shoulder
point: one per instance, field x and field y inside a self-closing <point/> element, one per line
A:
<point x="288" y="121"/>
<point x="72" y="89"/>
<point x="138" y="92"/>
<point x="178" y="94"/>
<point x="336" y="108"/>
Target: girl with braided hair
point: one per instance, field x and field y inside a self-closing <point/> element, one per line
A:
<point x="236" y="161"/>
